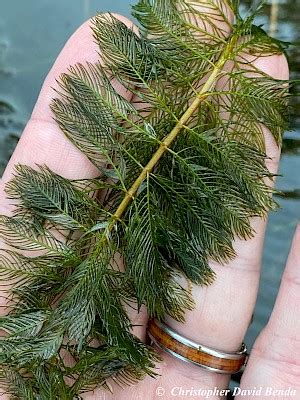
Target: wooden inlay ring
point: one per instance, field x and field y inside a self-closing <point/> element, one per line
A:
<point x="205" y="357"/>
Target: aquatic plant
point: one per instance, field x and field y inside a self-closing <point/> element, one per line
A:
<point x="180" y="176"/>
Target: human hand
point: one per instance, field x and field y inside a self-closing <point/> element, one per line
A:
<point x="223" y="311"/>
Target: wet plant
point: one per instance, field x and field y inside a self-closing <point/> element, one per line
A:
<point x="180" y="176"/>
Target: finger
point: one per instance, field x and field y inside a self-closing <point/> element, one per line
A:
<point x="224" y="309"/>
<point x="275" y="356"/>
<point x="42" y="142"/>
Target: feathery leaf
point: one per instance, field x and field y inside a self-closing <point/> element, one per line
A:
<point x="181" y="173"/>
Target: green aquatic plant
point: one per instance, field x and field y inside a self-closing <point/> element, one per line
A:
<point x="177" y="183"/>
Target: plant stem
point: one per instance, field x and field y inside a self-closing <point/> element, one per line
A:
<point x="169" y="139"/>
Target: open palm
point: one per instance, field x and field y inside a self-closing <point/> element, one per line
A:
<point x="223" y="310"/>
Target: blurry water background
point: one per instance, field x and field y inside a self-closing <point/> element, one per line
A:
<point x="33" y="32"/>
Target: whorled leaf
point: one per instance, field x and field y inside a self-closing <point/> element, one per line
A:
<point x="182" y="172"/>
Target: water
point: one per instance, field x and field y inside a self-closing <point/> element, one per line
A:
<point x="31" y="36"/>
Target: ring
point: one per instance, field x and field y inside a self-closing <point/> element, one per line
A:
<point x="186" y="350"/>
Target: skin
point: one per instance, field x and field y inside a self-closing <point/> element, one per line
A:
<point x="220" y="321"/>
